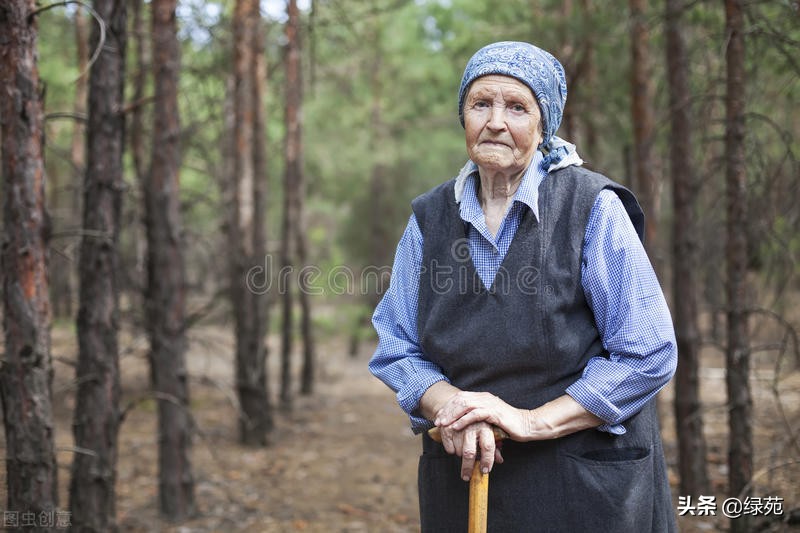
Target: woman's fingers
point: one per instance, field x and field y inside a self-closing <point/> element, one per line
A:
<point x="459" y="404"/>
<point x="474" y="416"/>
<point x="448" y="440"/>
<point x="478" y="445"/>
<point x="473" y="443"/>
<point x="488" y="447"/>
<point x="469" y="452"/>
<point x="498" y="457"/>
<point x="500" y="414"/>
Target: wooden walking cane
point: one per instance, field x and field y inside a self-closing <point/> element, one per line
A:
<point x="478" y="486"/>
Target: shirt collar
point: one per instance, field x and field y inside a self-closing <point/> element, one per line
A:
<point x="527" y="192"/>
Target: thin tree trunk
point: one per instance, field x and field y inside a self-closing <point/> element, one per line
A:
<point x="688" y="414"/>
<point x="165" y="274"/>
<point x="292" y="183"/>
<point x="92" y="492"/>
<point x="642" y="109"/>
<point x="568" y="58"/>
<point x="260" y="308"/>
<point x="309" y="361"/>
<point x="287" y="305"/>
<point x="740" y="452"/>
<point x="592" y="96"/>
<point x="26" y="375"/>
<point x="137" y="144"/>
<point x="247" y="224"/>
<point x="138" y="151"/>
<point x="96" y="418"/>
<point x="294" y="150"/>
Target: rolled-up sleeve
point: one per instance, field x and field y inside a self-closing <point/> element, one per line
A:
<point x="398" y="360"/>
<point x="631" y="315"/>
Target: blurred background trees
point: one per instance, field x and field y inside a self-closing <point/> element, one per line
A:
<point x="305" y="130"/>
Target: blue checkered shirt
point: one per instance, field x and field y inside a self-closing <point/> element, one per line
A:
<point x="618" y="282"/>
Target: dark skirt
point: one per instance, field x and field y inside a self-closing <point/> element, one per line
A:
<point x="587" y="481"/>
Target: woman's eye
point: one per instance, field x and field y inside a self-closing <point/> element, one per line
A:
<point x="481" y="104"/>
<point x="518" y="108"/>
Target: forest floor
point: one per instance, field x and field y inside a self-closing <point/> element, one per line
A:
<point x="344" y="459"/>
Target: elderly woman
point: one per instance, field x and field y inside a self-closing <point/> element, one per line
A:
<point x="522" y="298"/>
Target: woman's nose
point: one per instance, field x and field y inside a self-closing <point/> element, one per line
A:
<point x="497" y="119"/>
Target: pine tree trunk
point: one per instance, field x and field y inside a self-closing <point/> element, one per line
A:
<point x="591" y="98"/>
<point x="138" y="151"/>
<point x="740" y="452"/>
<point x="259" y="298"/>
<point x="287" y="320"/>
<point x="292" y="201"/>
<point x="309" y="360"/>
<point x="26" y="374"/>
<point x="165" y="275"/>
<point x="688" y="413"/>
<point x="294" y="152"/>
<point x="247" y="224"/>
<point x="567" y="57"/>
<point x="96" y="418"/>
<point x="642" y="91"/>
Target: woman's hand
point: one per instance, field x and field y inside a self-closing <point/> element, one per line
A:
<point x="468" y="442"/>
<point x="552" y="420"/>
<point x="465" y="420"/>
<point x="464" y="409"/>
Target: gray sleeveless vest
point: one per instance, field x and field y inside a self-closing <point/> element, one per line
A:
<point x="526" y="339"/>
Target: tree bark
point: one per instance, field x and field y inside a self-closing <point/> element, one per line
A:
<point x="96" y="418"/>
<point x="134" y="280"/>
<point x="165" y="294"/>
<point x="688" y="412"/>
<point x="138" y="151"/>
<point x="259" y="299"/>
<point x="247" y="223"/>
<point x="26" y="374"/>
<point x="592" y="96"/>
<point x="568" y="58"/>
<point x="292" y="200"/>
<point x="295" y="175"/>
<point x="740" y="452"/>
<point x="308" y="370"/>
<point x="642" y="91"/>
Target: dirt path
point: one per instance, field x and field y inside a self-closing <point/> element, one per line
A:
<point x="343" y="460"/>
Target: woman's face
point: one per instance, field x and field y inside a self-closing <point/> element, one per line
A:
<point x="502" y="123"/>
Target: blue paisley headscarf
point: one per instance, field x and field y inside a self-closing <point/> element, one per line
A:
<point x="540" y="71"/>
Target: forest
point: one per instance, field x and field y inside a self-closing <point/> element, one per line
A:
<point x="201" y="205"/>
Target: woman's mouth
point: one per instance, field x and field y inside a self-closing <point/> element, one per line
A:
<point x="494" y="143"/>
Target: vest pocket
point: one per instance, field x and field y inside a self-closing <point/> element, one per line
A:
<point x="609" y="489"/>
